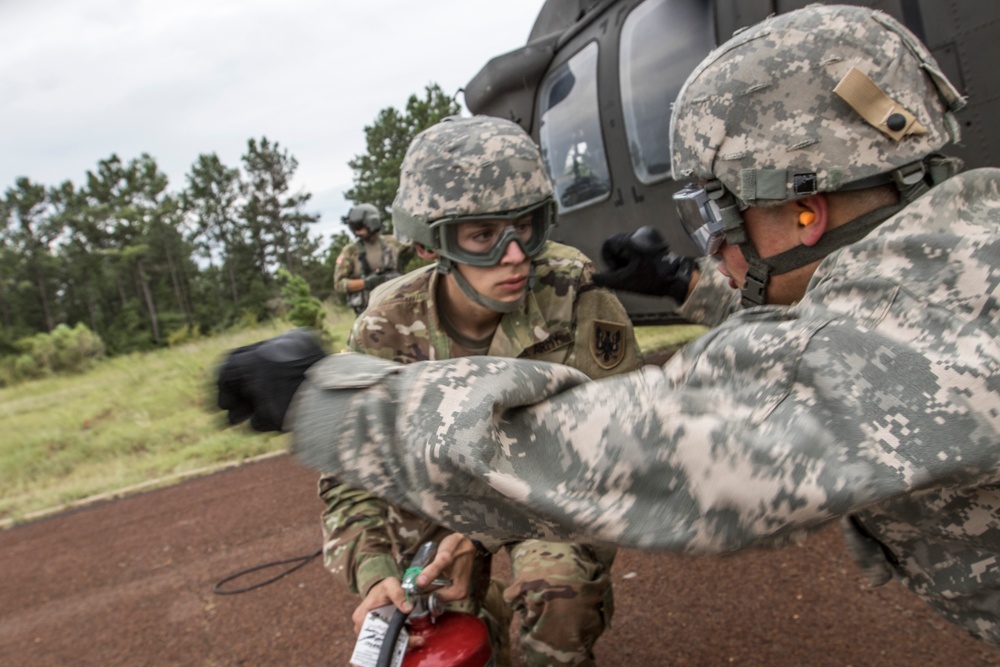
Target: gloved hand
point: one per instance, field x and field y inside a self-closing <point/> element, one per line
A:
<point x="375" y="279"/>
<point x="641" y="262"/>
<point x="258" y="381"/>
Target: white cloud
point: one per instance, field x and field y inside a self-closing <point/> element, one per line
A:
<point x="82" y="79"/>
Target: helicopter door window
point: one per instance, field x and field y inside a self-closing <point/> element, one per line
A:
<point x="570" y="132"/>
<point x="661" y="43"/>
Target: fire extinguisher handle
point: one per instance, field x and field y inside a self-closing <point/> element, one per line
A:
<point x="425" y="554"/>
<point x="437" y="584"/>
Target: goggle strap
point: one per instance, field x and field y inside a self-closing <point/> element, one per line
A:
<point x="732" y="222"/>
<point x="731" y="218"/>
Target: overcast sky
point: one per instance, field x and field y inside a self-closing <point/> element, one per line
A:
<point x="82" y="79"/>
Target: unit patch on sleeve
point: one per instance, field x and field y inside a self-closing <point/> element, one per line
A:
<point x="607" y="345"/>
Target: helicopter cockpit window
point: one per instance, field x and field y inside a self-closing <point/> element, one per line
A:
<point x="661" y="43"/>
<point x="570" y="132"/>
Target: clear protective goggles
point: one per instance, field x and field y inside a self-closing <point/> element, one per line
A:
<point x="482" y="240"/>
<point x="708" y="212"/>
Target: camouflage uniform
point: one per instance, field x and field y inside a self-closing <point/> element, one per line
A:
<point x="563" y="591"/>
<point x="873" y="400"/>
<point x="876" y="398"/>
<point x="349" y="267"/>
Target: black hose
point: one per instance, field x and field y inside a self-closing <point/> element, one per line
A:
<point x="300" y="560"/>
<point x="390" y="639"/>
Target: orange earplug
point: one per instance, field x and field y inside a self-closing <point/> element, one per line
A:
<point x="807" y="218"/>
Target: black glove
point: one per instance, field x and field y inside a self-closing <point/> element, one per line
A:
<point x="259" y="380"/>
<point x="641" y="262"/>
<point x="375" y="279"/>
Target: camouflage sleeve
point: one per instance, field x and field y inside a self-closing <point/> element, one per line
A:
<point x="344" y="268"/>
<point x="356" y="546"/>
<point x="353" y="343"/>
<point x="765" y="426"/>
<point x="404" y="253"/>
<point x="712" y="300"/>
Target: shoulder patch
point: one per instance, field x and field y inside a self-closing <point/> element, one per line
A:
<point x="607" y="345"/>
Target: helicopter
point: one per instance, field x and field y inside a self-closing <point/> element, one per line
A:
<point x="595" y="82"/>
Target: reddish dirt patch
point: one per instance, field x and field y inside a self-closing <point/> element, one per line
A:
<point x="130" y="582"/>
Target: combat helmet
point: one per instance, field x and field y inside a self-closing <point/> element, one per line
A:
<point x="365" y="215"/>
<point x="822" y="99"/>
<point x="467" y="169"/>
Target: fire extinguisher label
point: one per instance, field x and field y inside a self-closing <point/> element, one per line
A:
<point x="373" y="631"/>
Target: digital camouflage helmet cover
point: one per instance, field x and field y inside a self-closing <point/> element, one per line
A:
<point x="464" y="168"/>
<point x="484" y="169"/>
<point x="822" y="99"/>
<point x="811" y="101"/>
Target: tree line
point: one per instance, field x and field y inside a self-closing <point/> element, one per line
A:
<point x="135" y="262"/>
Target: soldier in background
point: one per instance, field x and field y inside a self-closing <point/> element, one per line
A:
<point x="475" y="199"/>
<point x="369" y="261"/>
<point x="859" y="379"/>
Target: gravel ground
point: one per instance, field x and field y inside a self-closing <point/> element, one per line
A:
<point x="130" y="582"/>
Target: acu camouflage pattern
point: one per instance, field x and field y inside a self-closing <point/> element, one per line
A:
<point x="876" y="397"/>
<point x="563" y="591"/>
<point x="466" y="167"/>
<point x="760" y="109"/>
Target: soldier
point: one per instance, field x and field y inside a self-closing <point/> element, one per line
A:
<point x="475" y="199"/>
<point x="860" y="380"/>
<point x="368" y="262"/>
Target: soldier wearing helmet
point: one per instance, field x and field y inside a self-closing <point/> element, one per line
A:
<point x="474" y="198"/>
<point x="859" y="381"/>
<point x="368" y="262"/>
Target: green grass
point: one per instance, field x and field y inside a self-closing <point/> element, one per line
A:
<point x="126" y="422"/>
<point x="144" y="419"/>
<point x="669" y="337"/>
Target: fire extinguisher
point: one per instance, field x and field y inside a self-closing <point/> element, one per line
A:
<point x="450" y="638"/>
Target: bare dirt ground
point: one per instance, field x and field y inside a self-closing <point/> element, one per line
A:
<point x="130" y="582"/>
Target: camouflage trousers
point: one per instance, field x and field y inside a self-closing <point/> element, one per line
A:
<point x="563" y="594"/>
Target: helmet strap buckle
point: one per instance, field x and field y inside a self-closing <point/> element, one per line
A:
<point x="755" y="284"/>
<point x="444" y="265"/>
<point x="908" y="175"/>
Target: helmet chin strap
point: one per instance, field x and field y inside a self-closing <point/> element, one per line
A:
<point x="759" y="269"/>
<point x="445" y="266"/>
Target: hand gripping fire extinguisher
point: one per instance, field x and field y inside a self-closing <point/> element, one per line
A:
<point x="450" y="638"/>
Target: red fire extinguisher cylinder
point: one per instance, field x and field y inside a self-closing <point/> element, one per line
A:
<point x="452" y="639"/>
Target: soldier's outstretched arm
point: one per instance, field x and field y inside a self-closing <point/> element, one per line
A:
<point x="747" y="435"/>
